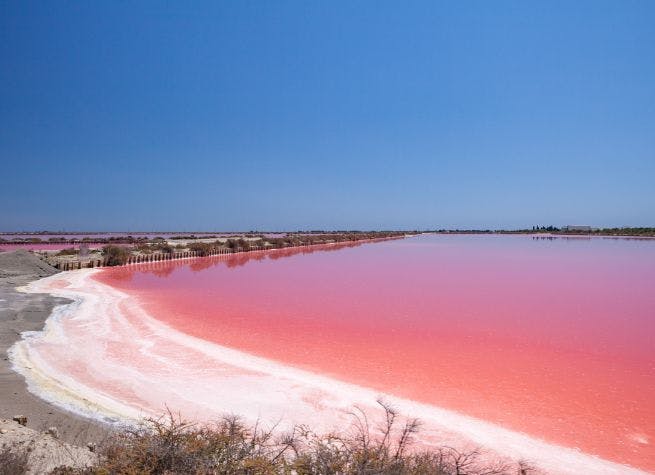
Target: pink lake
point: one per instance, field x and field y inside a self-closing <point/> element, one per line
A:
<point x="553" y="338"/>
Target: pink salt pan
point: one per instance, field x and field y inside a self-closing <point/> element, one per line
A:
<point x="550" y="338"/>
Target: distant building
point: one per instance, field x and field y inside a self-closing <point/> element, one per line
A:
<point x="585" y="229"/>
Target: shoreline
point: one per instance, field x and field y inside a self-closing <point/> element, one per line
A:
<point x="495" y="438"/>
<point x="24" y="312"/>
<point x="31" y="246"/>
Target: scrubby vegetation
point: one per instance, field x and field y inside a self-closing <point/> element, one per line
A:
<point x="115" y="255"/>
<point x="159" y="248"/>
<point x="68" y="252"/>
<point x="202" y="248"/>
<point x="170" y="445"/>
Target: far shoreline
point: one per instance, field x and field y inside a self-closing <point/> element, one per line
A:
<point x="32" y="241"/>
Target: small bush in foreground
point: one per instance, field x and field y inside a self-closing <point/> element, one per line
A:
<point x="170" y="445"/>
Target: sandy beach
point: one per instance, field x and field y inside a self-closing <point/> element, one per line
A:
<point x="21" y="312"/>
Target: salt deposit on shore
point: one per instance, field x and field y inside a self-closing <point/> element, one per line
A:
<point x="102" y="356"/>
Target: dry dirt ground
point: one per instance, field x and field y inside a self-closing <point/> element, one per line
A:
<point x="20" y="312"/>
<point x="24" y="450"/>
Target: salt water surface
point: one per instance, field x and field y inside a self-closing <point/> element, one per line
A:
<point x="531" y="347"/>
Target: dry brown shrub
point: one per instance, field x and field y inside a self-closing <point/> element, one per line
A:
<point x="169" y="445"/>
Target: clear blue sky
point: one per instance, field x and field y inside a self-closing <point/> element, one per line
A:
<point x="301" y="115"/>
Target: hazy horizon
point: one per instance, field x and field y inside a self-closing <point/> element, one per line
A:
<point x="306" y="230"/>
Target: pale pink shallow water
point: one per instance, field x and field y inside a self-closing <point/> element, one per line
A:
<point x="44" y="246"/>
<point x="553" y="338"/>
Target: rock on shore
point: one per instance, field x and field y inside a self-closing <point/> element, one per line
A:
<point x="21" y="312"/>
<point x="33" y="452"/>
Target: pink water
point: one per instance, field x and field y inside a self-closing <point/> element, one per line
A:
<point x="52" y="246"/>
<point x="80" y="236"/>
<point x="553" y="338"/>
<point x="42" y="246"/>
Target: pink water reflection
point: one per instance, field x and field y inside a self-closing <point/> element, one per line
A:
<point x="51" y="246"/>
<point x="553" y="338"/>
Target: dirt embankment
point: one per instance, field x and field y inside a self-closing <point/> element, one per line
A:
<point x="20" y="267"/>
<point x="24" y="450"/>
<point x="21" y="312"/>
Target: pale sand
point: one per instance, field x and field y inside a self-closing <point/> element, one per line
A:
<point x="21" y="312"/>
<point x="45" y="450"/>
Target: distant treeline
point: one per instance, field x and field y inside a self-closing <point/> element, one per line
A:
<point x="129" y="239"/>
<point x="615" y="232"/>
<point x="85" y="240"/>
<point x="595" y="231"/>
<point x="315" y="236"/>
<point x="629" y="231"/>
